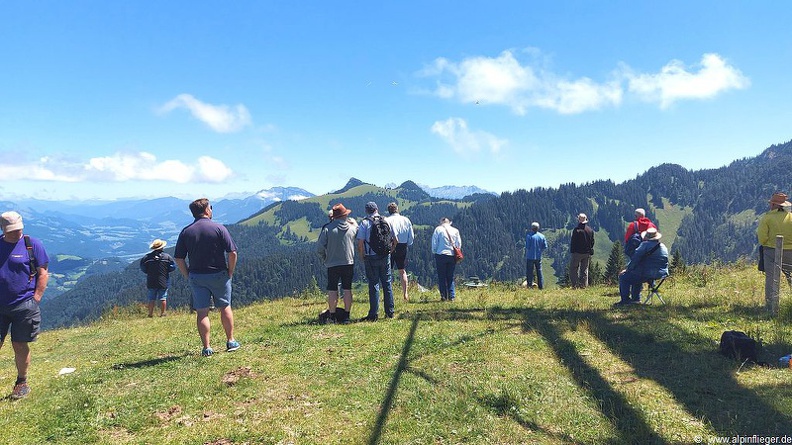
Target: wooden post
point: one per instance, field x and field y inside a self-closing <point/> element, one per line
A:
<point x="774" y="297"/>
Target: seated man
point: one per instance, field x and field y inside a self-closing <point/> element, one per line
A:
<point x="649" y="262"/>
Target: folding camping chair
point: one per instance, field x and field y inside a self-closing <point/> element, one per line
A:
<point x="654" y="291"/>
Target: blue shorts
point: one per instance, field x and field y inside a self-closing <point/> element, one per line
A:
<point x="157" y="294"/>
<point x="23" y="319"/>
<point x="206" y="286"/>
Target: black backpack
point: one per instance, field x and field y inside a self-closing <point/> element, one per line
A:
<point x="633" y="242"/>
<point x="379" y="239"/>
<point x="738" y="345"/>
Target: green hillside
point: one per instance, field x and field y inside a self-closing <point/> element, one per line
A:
<point x="503" y="365"/>
<point x="295" y="226"/>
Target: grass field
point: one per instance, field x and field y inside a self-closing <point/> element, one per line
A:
<point x="502" y="365"/>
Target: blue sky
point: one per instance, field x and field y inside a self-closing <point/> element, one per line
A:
<point x="112" y="100"/>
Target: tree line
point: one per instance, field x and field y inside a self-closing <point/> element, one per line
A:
<point x="724" y="205"/>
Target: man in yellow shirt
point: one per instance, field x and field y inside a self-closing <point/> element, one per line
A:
<point x="777" y="221"/>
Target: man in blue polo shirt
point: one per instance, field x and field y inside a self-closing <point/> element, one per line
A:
<point x="205" y="243"/>
<point x="23" y="279"/>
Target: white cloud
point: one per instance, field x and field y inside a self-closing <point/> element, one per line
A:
<point x="463" y="140"/>
<point x="220" y="118"/>
<point x="674" y="82"/>
<point x="503" y="80"/>
<point x="120" y="167"/>
<point x="212" y="170"/>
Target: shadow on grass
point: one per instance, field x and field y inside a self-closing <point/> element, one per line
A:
<point x="687" y="365"/>
<point x="495" y="404"/>
<point x="387" y="402"/>
<point x="148" y="363"/>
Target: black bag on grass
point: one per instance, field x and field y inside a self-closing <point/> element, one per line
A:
<point x="738" y="345"/>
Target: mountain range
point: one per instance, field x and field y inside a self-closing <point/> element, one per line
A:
<point x="705" y="216"/>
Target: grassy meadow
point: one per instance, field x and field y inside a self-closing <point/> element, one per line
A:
<point x="501" y="365"/>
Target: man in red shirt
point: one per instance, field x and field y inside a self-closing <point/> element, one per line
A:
<point x="640" y="225"/>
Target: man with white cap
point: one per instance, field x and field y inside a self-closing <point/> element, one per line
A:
<point x="649" y="262"/>
<point x="23" y="279"/>
<point x="157" y="266"/>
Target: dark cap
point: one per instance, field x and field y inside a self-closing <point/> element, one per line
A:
<point x="371" y="207"/>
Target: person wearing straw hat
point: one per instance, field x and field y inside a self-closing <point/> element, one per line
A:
<point x="336" y="248"/>
<point x="581" y="246"/>
<point x="649" y="262"/>
<point x="23" y="279"/>
<point x="157" y="266"/>
<point x="777" y="221"/>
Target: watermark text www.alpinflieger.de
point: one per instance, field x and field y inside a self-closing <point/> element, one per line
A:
<point x="756" y="438"/>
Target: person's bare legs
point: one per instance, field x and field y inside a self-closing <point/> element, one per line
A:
<point x="204" y="326"/>
<point x="348" y="300"/>
<point x="227" y="318"/>
<point x="163" y="306"/>
<point x="151" y="308"/>
<point x="403" y="275"/>
<point x="332" y="300"/>
<point x="22" y="358"/>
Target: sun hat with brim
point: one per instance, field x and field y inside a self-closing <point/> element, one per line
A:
<point x="157" y="244"/>
<point x="11" y="221"/>
<point x="651" y="234"/>
<point x="780" y="199"/>
<point x="339" y="210"/>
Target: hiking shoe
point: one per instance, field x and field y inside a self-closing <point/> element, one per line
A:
<point x="369" y="318"/>
<point x="20" y="391"/>
<point x="207" y="352"/>
<point x="341" y="316"/>
<point x="232" y="345"/>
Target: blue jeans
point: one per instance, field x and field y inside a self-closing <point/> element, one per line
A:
<point x="378" y="273"/>
<point x="630" y="284"/>
<point x="446" y="264"/>
<point x="530" y="265"/>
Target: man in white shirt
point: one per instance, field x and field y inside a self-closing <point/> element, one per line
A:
<point x="403" y="231"/>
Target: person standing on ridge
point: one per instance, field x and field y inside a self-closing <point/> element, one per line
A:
<point x="777" y="221"/>
<point x="23" y="279"/>
<point x="444" y="239"/>
<point x="336" y="248"/>
<point x="535" y="244"/>
<point x="403" y="231"/>
<point x="204" y="244"/>
<point x="157" y="265"/>
<point x="582" y="248"/>
<point x="375" y="242"/>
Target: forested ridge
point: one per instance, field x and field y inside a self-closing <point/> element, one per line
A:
<point x="721" y="208"/>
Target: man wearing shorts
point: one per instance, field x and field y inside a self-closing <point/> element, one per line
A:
<point x="157" y="266"/>
<point x="204" y="244"/>
<point x="336" y="248"/>
<point x="23" y="279"/>
<point x="403" y="231"/>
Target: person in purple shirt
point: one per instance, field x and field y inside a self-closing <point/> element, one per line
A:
<point x="23" y="279"/>
<point x="204" y="245"/>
